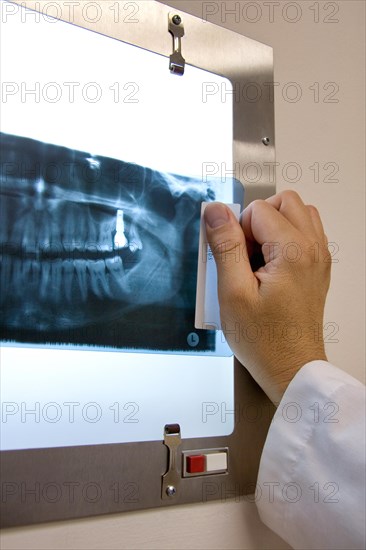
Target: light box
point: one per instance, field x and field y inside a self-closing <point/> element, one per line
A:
<point x="106" y="157"/>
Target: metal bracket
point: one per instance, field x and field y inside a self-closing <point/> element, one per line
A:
<point x="171" y="479"/>
<point x="176" y="28"/>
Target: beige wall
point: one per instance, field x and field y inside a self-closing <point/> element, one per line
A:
<point x="307" y="132"/>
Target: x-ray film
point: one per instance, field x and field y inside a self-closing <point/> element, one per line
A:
<point x="98" y="252"/>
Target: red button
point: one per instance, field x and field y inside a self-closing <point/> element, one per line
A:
<point x="195" y="464"/>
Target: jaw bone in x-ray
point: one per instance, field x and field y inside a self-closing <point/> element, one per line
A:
<point x="96" y="251"/>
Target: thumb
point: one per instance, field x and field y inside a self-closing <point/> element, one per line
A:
<point x="227" y="242"/>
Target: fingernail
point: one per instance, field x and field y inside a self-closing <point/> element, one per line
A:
<point x="216" y="215"/>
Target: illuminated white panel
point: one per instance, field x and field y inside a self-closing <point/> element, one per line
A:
<point x="148" y="117"/>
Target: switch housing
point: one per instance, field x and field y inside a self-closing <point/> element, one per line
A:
<point x="204" y="462"/>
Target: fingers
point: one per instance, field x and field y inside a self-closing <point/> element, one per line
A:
<point x="262" y="223"/>
<point x="290" y="205"/>
<point x="281" y="218"/>
<point x="318" y="225"/>
<point x="227" y="242"/>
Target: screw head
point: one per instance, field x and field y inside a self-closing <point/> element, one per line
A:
<point x="265" y="141"/>
<point x="170" y="490"/>
<point x="176" y="19"/>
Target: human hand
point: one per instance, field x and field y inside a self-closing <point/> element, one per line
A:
<point x="272" y="317"/>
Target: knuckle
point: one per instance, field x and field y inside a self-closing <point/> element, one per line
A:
<point x="290" y="195"/>
<point x="315" y="256"/>
<point x="257" y="204"/>
<point x="313" y="209"/>
<point x="225" y="243"/>
<point x="223" y="247"/>
<point x="306" y="260"/>
<point x="327" y="259"/>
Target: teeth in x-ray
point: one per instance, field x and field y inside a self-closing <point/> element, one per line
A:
<point x="56" y="278"/>
<point x="46" y="280"/>
<point x="117" y="278"/>
<point x="98" y="279"/>
<point x="55" y="288"/>
<point x="24" y="231"/>
<point x="105" y="239"/>
<point x="80" y="269"/>
<point x="68" y="278"/>
<point x="135" y="241"/>
<point x="44" y="234"/>
<point x="74" y="228"/>
<point x="28" y="273"/>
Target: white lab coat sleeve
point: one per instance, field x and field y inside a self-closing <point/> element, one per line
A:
<point x="311" y="480"/>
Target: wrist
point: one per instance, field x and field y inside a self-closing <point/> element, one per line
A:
<point x="282" y="376"/>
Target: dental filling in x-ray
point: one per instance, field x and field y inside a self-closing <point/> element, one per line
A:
<point x="97" y="252"/>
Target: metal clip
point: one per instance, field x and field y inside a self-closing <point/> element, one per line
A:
<point x="171" y="479"/>
<point x="176" y="28"/>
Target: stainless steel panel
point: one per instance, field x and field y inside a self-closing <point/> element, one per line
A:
<point x="59" y="483"/>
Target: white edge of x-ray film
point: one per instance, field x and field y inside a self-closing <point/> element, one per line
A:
<point x="207" y="300"/>
<point x="62" y="397"/>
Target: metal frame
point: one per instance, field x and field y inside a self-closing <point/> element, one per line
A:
<point x="128" y="476"/>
